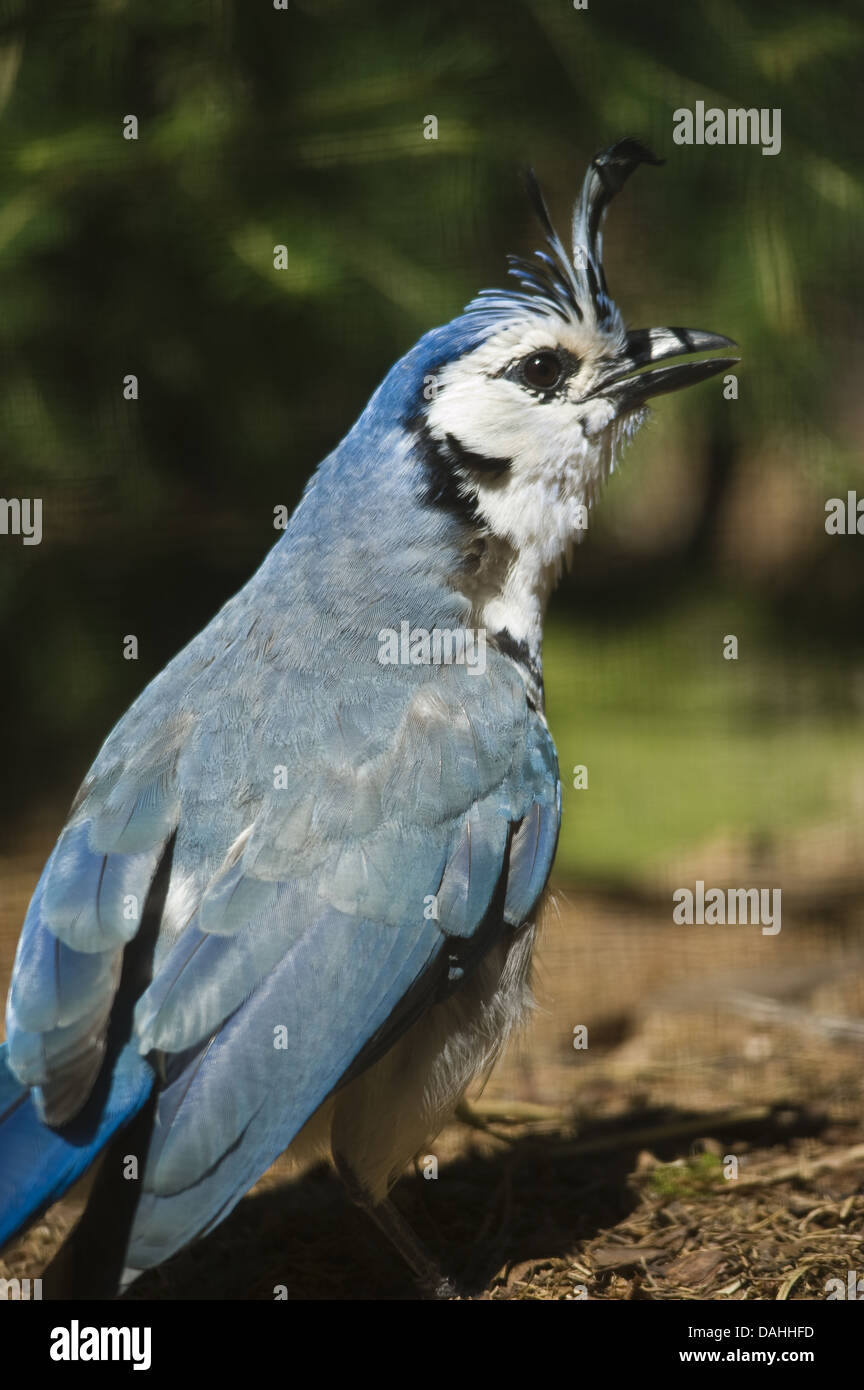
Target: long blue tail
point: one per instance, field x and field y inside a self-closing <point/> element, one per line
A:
<point x="38" y="1164"/>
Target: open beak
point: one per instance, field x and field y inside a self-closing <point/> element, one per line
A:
<point x="628" y="388"/>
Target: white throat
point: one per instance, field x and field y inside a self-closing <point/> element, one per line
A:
<point x="518" y="606"/>
<point x="531" y="465"/>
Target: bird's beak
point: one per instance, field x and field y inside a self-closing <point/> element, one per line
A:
<point x="628" y="388"/>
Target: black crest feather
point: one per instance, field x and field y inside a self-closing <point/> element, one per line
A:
<point x="570" y="284"/>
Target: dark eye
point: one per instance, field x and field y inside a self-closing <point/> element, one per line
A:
<point x="542" y="371"/>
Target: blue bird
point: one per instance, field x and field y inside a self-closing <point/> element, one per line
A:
<point x="292" y="907"/>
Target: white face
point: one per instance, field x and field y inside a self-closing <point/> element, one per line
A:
<point x="513" y="400"/>
<point x="529" y="424"/>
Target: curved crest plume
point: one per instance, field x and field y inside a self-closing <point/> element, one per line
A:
<point x="571" y="286"/>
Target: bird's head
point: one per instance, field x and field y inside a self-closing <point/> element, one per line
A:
<point x="476" y="461"/>
<point x="524" y="425"/>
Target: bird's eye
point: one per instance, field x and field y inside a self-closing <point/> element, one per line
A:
<point x="542" y="371"/>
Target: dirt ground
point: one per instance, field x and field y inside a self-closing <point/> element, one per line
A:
<point x="707" y="1143"/>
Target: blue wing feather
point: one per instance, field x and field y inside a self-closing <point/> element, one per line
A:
<point x="308" y="910"/>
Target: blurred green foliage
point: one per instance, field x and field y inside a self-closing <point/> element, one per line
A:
<point x="682" y="746"/>
<point x="304" y="127"/>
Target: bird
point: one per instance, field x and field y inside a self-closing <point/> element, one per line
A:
<point x="294" y="905"/>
